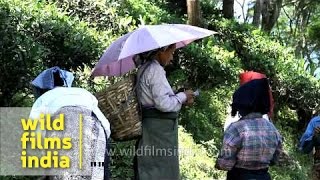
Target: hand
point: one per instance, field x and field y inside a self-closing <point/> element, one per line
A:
<point x="316" y="134"/>
<point x="190" y="97"/>
<point x="317" y="130"/>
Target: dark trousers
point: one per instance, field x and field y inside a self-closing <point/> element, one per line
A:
<point x="316" y="162"/>
<point x="308" y="145"/>
<point x="245" y="174"/>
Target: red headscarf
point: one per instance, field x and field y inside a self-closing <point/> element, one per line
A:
<point x="251" y="75"/>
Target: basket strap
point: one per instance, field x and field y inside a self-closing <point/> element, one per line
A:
<point x="136" y="86"/>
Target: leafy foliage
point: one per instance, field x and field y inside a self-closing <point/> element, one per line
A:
<point x="204" y="120"/>
<point x="73" y="34"/>
<point x="299" y="167"/>
<point x="104" y="15"/>
<point x="291" y="85"/>
<point x="314" y="33"/>
<point x="38" y="36"/>
<point x="196" y="161"/>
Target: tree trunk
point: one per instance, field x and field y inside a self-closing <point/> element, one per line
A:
<point x="257" y="13"/>
<point x="302" y="22"/>
<point x="270" y="14"/>
<point x="194" y="16"/>
<point x="227" y="9"/>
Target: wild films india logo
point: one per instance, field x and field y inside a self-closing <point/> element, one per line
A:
<point x="34" y="139"/>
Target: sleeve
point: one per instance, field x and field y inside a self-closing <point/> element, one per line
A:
<point x="228" y="154"/>
<point x="162" y="95"/>
<point x="308" y="134"/>
<point x="278" y="152"/>
<point x="307" y="147"/>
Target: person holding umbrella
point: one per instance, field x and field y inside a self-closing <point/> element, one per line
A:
<point x="151" y="47"/>
<point x="160" y="107"/>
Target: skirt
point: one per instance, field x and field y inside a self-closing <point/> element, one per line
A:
<point x="157" y="149"/>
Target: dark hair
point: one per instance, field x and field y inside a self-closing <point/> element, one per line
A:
<point x="141" y="58"/>
<point x="167" y="47"/>
<point x="251" y="97"/>
<point x="58" y="81"/>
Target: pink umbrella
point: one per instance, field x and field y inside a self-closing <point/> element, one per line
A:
<point x="118" y="58"/>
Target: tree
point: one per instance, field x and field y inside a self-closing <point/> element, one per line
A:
<point x="257" y="13"/>
<point x="194" y="16"/>
<point x="227" y="9"/>
<point x="266" y="14"/>
<point x="270" y="14"/>
<point x="296" y="29"/>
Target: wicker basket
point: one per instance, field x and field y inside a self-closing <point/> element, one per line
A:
<point x="119" y="104"/>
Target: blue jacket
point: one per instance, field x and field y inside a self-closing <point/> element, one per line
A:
<point x="306" y="144"/>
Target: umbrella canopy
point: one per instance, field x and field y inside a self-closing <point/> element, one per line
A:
<point x="118" y="58"/>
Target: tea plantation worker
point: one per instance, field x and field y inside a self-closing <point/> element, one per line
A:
<point x="311" y="140"/>
<point x="59" y="97"/>
<point x="158" y="145"/>
<point x="244" y="78"/>
<point x="251" y="144"/>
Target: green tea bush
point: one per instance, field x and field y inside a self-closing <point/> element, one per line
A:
<point x="196" y="162"/>
<point x="73" y="34"/>
<point x="204" y="120"/>
<point x="121" y="165"/>
<point x="292" y="86"/>
<point x="18" y="54"/>
<point x="37" y="36"/>
<point x="104" y="15"/>
<point x="299" y="167"/>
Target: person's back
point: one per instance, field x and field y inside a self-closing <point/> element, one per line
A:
<point x="65" y="96"/>
<point x="259" y="140"/>
<point x="253" y="143"/>
<point x="57" y="96"/>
